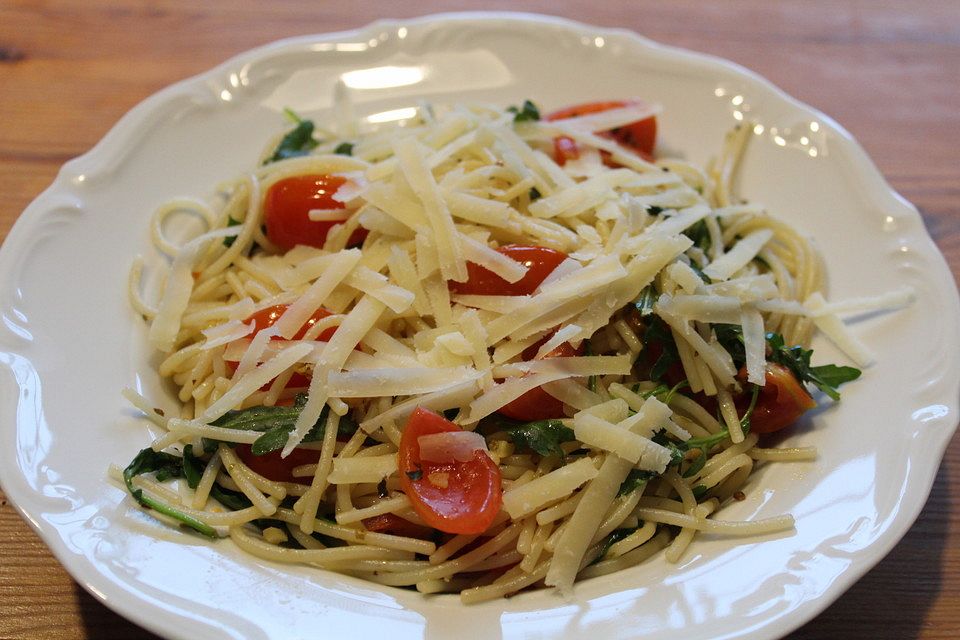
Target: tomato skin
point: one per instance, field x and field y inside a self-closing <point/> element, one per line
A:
<point x="472" y="496"/>
<point x="272" y="466"/>
<point x="640" y="136"/>
<point x="268" y="317"/>
<point x="540" y="263"/>
<point x="287" y="205"/>
<point x="782" y="400"/>
<point x="537" y="404"/>
<point x="395" y="525"/>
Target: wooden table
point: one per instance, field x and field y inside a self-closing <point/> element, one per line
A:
<point x="888" y="71"/>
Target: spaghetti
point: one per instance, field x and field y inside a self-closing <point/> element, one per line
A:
<point x="607" y="335"/>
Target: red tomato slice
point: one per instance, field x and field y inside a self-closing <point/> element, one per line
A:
<point x="540" y="263"/>
<point x="272" y="466"/>
<point x="781" y="402"/>
<point x="395" y="525"/>
<point x="537" y="404"/>
<point x="268" y="317"/>
<point x="454" y="497"/>
<point x="640" y="136"/>
<point x="287" y="205"/>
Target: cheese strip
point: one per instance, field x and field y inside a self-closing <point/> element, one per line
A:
<point x="560" y="483"/>
<point x="355" y="326"/>
<point x="739" y="256"/>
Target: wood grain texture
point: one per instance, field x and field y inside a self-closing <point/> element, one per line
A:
<point x="888" y="71"/>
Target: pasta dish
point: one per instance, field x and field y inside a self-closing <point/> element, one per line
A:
<point x="484" y="351"/>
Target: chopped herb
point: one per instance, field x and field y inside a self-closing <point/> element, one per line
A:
<point x="616" y="536"/>
<point x="233" y="500"/>
<point x="192" y="467"/>
<point x="526" y="113"/>
<point x="636" y="479"/>
<point x="700" y="235"/>
<point x="696" y="464"/>
<point x="645" y="301"/>
<point x="535" y="194"/>
<point x="543" y="436"/>
<point x="277" y="423"/>
<point x="699" y="490"/>
<point x="415" y="475"/>
<point x="165" y="466"/>
<point x="298" y="142"/>
<point x="591" y="380"/>
<point x="659" y="333"/>
<point x="653" y="209"/>
<point x="229" y="240"/>
<point x="344" y="149"/>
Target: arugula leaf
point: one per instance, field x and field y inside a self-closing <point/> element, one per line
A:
<point x="233" y="500"/>
<point x="616" y="536"/>
<point x="298" y="142"/>
<point x="277" y="423"/>
<point x="344" y="149"/>
<point x="229" y="240"/>
<point x="165" y="466"/>
<point x="636" y="479"/>
<point x="645" y="301"/>
<point x="696" y="464"/>
<point x="544" y="436"/>
<point x="665" y="394"/>
<point x="526" y="113"/>
<point x="659" y="333"/>
<point x="730" y="337"/>
<point x="700" y="235"/>
<point x="699" y="490"/>
<point x="192" y="467"/>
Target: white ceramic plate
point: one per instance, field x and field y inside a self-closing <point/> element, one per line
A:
<point x="69" y="342"/>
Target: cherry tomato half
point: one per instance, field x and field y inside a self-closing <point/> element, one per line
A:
<point x="537" y="404"/>
<point x="287" y="206"/>
<point x="454" y="497"/>
<point x="640" y="136"/>
<point x="540" y="263"/>
<point x="781" y="402"/>
<point x="272" y="466"/>
<point x="395" y="525"/>
<point x="268" y="317"/>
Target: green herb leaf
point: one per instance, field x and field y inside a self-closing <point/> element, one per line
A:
<point x="615" y="536"/>
<point x="636" y="479"/>
<point x="166" y="466"/>
<point x="526" y="113"/>
<point x="696" y="464"/>
<point x="700" y="235"/>
<point x="233" y="500"/>
<point x="415" y="475"/>
<point x="344" y="149"/>
<point x="647" y="298"/>
<point x="659" y="333"/>
<point x="277" y="423"/>
<point x="229" y="240"/>
<point x="654" y="210"/>
<point x="535" y="194"/>
<point x="298" y="142"/>
<point x="192" y="467"/>
<point x="544" y="436"/>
